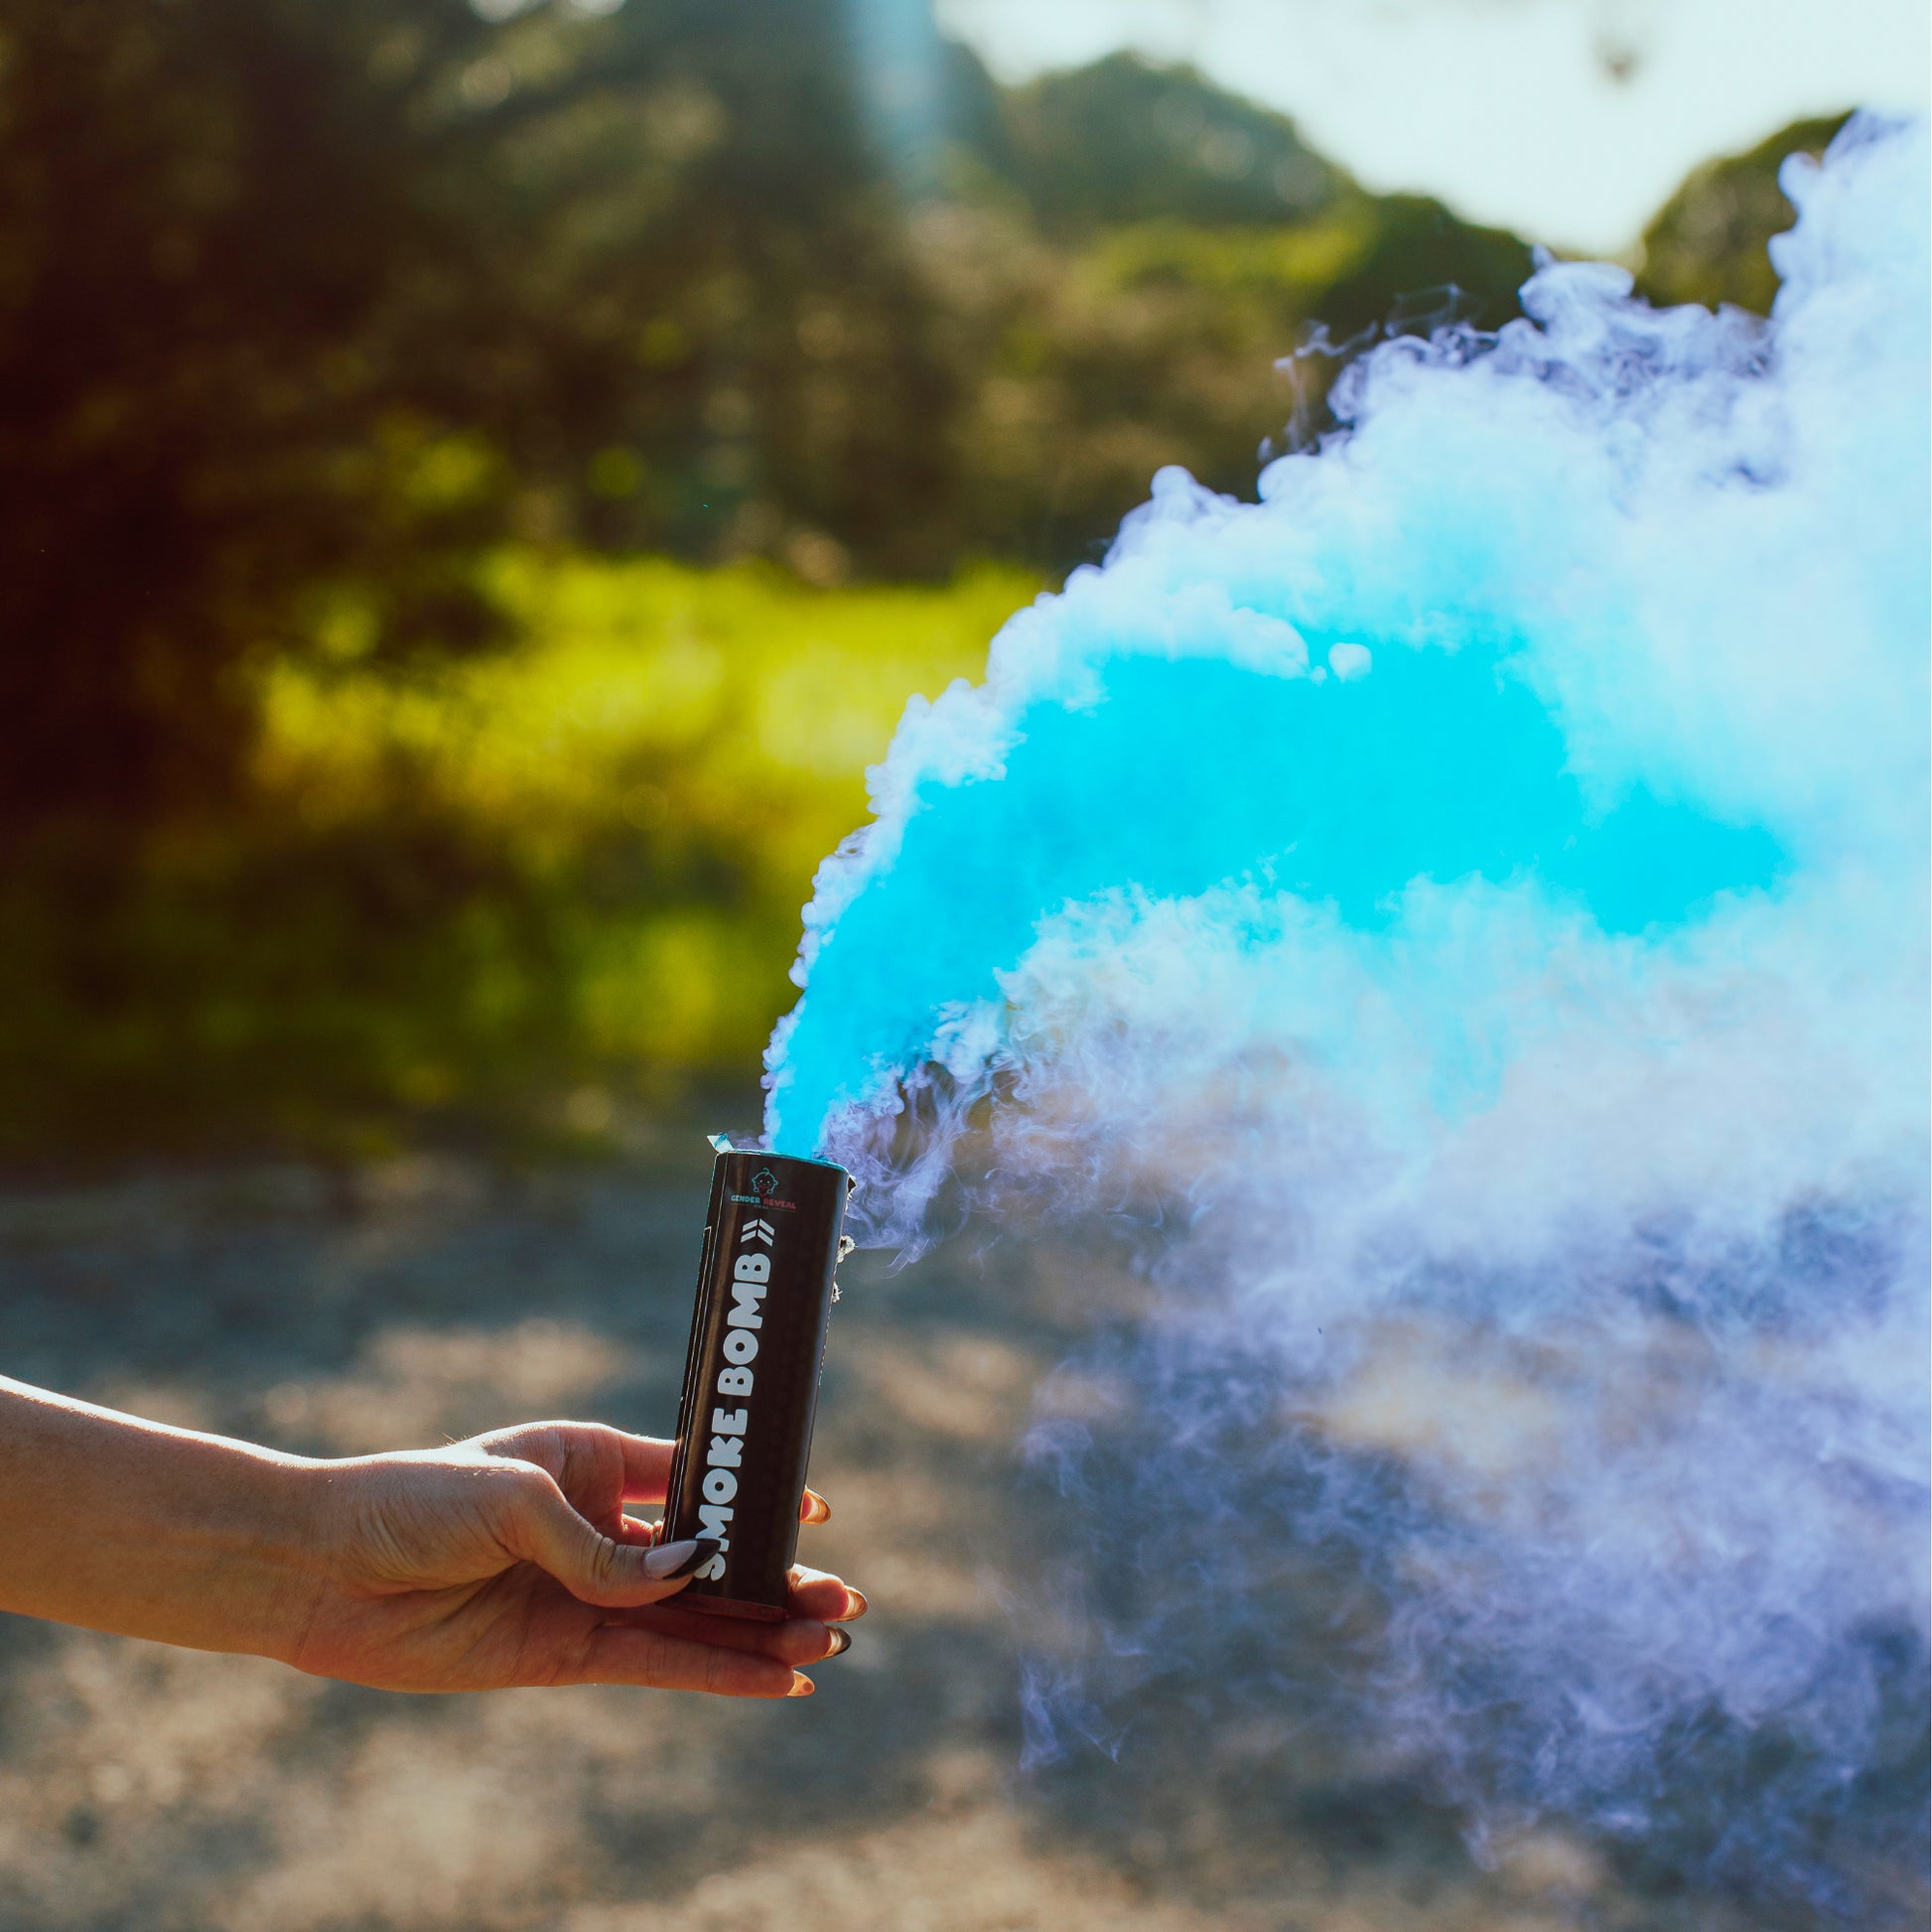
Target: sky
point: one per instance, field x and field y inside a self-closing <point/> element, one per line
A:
<point x="1570" y="122"/>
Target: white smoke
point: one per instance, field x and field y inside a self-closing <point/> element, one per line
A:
<point x="1465" y="916"/>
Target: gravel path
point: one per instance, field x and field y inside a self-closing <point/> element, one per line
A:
<point x="167" y="1791"/>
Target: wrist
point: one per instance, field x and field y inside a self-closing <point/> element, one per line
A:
<point x="239" y="1565"/>
<point x="286" y="1549"/>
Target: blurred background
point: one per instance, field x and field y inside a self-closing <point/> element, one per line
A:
<point x="479" y="482"/>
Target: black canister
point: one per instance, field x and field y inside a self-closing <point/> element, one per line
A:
<point x="751" y="1378"/>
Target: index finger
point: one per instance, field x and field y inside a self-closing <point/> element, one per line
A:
<point x="648" y="1476"/>
<point x="647" y="1467"/>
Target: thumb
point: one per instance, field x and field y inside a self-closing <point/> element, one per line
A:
<point x="542" y="1528"/>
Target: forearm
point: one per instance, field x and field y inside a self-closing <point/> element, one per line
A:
<point x="130" y="1526"/>
<point x="505" y="1560"/>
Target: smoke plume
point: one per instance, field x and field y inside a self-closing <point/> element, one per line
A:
<point x="1460" y="921"/>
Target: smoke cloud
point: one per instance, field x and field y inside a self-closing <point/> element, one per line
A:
<point x="1460" y="921"/>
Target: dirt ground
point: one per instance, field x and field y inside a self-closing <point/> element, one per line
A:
<point x="168" y="1791"/>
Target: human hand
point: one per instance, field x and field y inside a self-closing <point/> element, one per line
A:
<point x="509" y="1560"/>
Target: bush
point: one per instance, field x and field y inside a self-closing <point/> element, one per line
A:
<point x="500" y="892"/>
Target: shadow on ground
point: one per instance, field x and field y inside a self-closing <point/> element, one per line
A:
<point x="174" y="1792"/>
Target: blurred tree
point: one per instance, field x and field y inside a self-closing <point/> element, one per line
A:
<point x="316" y="314"/>
<point x="1142" y="253"/>
<point x="298" y="295"/>
<point x="1123" y="140"/>
<point x="233" y="329"/>
<point x="303" y="304"/>
<point x="1707" y="243"/>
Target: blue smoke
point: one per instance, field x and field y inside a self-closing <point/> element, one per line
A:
<point x="1466" y="911"/>
<point x="1176" y="776"/>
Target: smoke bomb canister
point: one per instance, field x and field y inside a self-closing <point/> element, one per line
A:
<point x="751" y="1378"/>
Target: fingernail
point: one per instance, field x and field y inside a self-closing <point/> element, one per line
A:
<point x="801" y="1686"/>
<point x="841" y="1643"/>
<point x="857" y="1604"/>
<point x="817" y="1509"/>
<point x="669" y="1560"/>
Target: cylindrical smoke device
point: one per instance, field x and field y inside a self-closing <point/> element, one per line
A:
<point x="772" y="1239"/>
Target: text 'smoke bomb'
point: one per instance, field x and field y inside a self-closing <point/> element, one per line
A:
<point x="750" y="1380"/>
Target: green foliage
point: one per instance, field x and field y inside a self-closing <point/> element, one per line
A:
<point x="306" y="298"/>
<point x="229" y="310"/>
<point x="460" y="895"/>
<point x="299" y="293"/>
<point x="365" y="764"/>
<point x="1707" y="243"/>
<point x="1123" y="140"/>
